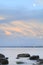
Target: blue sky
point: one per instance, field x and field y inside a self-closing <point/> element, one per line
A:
<point x="15" y="4"/>
<point x="21" y="23"/>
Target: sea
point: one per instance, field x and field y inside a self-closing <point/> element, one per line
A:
<point x="12" y="53"/>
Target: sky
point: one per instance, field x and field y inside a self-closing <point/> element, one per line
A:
<point x="21" y="23"/>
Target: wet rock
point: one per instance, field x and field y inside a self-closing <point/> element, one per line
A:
<point x="4" y="61"/>
<point x="40" y="61"/>
<point x="19" y="62"/>
<point x="0" y="64"/>
<point x="2" y="56"/>
<point x="22" y="55"/>
<point x="34" y="57"/>
<point x="6" y="58"/>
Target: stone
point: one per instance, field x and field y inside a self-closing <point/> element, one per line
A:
<point x="22" y="55"/>
<point x="20" y="62"/>
<point x="4" y="61"/>
<point x="34" y="57"/>
<point x="2" y="56"/>
<point x="40" y="61"/>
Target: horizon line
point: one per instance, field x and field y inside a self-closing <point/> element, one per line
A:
<point x="21" y="46"/>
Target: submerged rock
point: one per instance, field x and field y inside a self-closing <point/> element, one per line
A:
<point x="40" y="61"/>
<point x="34" y="57"/>
<point x="20" y="62"/>
<point x="22" y="55"/>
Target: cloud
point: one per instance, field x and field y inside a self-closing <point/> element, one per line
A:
<point x="2" y="18"/>
<point x="31" y="28"/>
<point x="39" y="2"/>
<point x="7" y="33"/>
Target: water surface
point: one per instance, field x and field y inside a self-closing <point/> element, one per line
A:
<point x="12" y="53"/>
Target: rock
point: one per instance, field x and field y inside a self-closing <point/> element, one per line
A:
<point x="34" y="57"/>
<point x="4" y="61"/>
<point x="2" y="56"/>
<point x="0" y="64"/>
<point x="6" y="58"/>
<point x="22" y="55"/>
<point x="40" y="61"/>
<point x="19" y="62"/>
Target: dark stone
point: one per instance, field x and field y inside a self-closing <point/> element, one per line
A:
<point x="40" y="61"/>
<point x="2" y="56"/>
<point x="34" y="57"/>
<point x="4" y="61"/>
<point x="22" y="55"/>
<point x="6" y="58"/>
<point x="19" y="62"/>
<point x="0" y="64"/>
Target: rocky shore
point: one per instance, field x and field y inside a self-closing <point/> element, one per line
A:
<point x="31" y="58"/>
<point x="36" y="58"/>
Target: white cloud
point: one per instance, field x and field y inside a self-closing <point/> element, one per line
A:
<point x="2" y="18"/>
<point x="7" y="33"/>
<point x="22" y="28"/>
<point x="39" y="2"/>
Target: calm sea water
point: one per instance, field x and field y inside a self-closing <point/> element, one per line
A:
<point x="12" y="53"/>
